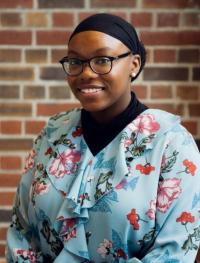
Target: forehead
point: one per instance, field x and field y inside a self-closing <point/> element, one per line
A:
<point x="93" y="41"/>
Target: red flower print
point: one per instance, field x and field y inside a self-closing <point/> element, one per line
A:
<point x="185" y="217"/>
<point x="168" y="190"/>
<point x="121" y="254"/>
<point x="133" y="219"/>
<point x="145" y="169"/>
<point x="30" y="161"/>
<point x="77" y="132"/>
<point x="49" y="151"/>
<point x="145" y="124"/>
<point x="190" y="167"/>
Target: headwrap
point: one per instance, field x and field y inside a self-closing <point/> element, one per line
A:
<point x="116" y="27"/>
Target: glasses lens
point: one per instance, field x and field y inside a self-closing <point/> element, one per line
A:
<point x="101" y="65"/>
<point x="72" y="66"/>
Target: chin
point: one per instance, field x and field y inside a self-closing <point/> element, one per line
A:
<point x="93" y="107"/>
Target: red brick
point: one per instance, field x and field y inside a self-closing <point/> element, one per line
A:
<point x="34" y="127"/>
<point x="10" y="127"/>
<point x="190" y="19"/>
<point x="191" y="126"/>
<point x="140" y="91"/>
<point x="6" y="198"/>
<point x="2" y="250"/>
<point x="10" y="55"/>
<point x="165" y="73"/>
<point x="164" y="55"/>
<point x="52" y="73"/>
<point x="9" y="180"/>
<point x="36" y="20"/>
<point x="15" y="144"/>
<point x="36" y="56"/>
<point x="57" y="54"/>
<point x="15" y="109"/>
<point x="187" y="92"/>
<point x="2" y="260"/>
<point x="63" y="19"/>
<point x="59" y="92"/>
<point x="11" y="19"/>
<point x="161" y="92"/>
<point x="170" y="4"/>
<point x="142" y="19"/>
<point x="173" y="108"/>
<point x="60" y="4"/>
<point x="194" y="110"/>
<point x="3" y="233"/>
<point x="16" y="4"/>
<point x="189" y="55"/>
<point x="48" y="109"/>
<point x="9" y="92"/>
<point x="16" y="73"/>
<point x="10" y="162"/>
<point x="34" y="92"/>
<point x="196" y="73"/>
<point x="11" y="37"/>
<point x="52" y="37"/>
<point x="167" y="19"/>
<point x="171" y="38"/>
<point x="113" y="3"/>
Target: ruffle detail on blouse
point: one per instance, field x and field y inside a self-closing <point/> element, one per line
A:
<point x="83" y="179"/>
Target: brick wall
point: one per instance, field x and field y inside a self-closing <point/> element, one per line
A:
<point x="33" y="37"/>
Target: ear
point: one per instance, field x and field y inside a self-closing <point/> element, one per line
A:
<point x="135" y="64"/>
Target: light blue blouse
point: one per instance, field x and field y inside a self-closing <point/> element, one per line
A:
<point x="136" y="201"/>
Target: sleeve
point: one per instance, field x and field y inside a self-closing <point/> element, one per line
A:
<point x="21" y="246"/>
<point x="178" y="202"/>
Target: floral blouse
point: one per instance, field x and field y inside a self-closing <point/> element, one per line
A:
<point x="136" y="201"/>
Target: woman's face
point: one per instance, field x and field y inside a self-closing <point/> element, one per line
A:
<point x="102" y="95"/>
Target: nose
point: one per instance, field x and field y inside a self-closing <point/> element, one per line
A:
<point x="87" y="71"/>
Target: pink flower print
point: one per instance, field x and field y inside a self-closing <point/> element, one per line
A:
<point x="152" y="210"/>
<point x="65" y="163"/>
<point x="41" y="188"/>
<point x="104" y="248"/>
<point x="127" y="143"/>
<point x="25" y="255"/>
<point x="29" y="164"/>
<point x="144" y="124"/>
<point x="168" y="191"/>
<point x="70" y="235"/>
<point x="121" y="184"/>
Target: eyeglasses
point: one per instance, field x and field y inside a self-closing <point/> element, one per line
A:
<point x="100" y="64"/>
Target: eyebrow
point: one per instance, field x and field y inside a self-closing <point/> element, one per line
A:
<point x="103" y="49"/>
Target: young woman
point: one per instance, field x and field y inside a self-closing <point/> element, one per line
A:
<point x="113" y="181"/>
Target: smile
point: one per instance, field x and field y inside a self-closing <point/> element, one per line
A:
<point x="92" y="90"/>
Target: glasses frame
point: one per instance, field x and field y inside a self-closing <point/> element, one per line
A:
<point x="88" y="61"/>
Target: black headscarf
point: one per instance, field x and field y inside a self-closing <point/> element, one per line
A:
<point x="116" y="27"/>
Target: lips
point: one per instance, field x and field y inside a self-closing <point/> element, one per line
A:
<point x="90" y="89"/>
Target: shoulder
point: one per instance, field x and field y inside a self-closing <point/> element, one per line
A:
<point x="169" y="127"/>
<point x="58" y="125"/>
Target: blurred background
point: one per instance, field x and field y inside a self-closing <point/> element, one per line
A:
<point x="33" y="37"/>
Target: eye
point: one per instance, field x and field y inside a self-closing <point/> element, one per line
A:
<point x="74" y="62"/>
<point x="101" y="61"/>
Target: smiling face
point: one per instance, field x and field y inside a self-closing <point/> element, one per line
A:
<point x="105" y="96"/>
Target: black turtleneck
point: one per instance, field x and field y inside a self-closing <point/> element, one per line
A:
<point x="98" y="135"/>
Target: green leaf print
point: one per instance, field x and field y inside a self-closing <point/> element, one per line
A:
<point x="103" y="182"/>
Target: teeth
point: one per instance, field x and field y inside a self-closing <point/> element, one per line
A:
<point x="90" y="90"/>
